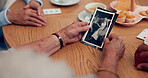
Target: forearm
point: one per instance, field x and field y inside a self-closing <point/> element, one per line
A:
<point x="47" y="45"/>
<point x="109" y="63"/>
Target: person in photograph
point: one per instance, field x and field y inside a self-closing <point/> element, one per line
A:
<point x="102" y="25"/>
<point x="98" y="30"/>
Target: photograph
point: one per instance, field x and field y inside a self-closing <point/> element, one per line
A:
<point x="100" y="25"/>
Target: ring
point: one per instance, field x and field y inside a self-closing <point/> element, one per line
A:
<point x="30" y="18"/>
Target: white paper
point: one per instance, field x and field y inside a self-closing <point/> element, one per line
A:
<point x="52" y="11"/>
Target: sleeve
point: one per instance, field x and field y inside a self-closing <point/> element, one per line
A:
<point x="40" y="1"/>
<point x="3" y="17"/>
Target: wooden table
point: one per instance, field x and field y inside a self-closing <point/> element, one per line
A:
<point x="81" y="58"/>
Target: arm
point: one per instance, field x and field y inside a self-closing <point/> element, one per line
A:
<point x="48" y="45"/>
<point x="113" y="50"/>
<point x="51" y="44"/>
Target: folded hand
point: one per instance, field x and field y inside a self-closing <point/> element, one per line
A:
<point x="26" y="17"/>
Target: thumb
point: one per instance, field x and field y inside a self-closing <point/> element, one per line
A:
<point x="26" y="7"/>
<point x="142" y="66"/>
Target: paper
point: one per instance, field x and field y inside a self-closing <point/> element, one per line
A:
<point x="52" y="11"/>
<point x="143" y="34"/>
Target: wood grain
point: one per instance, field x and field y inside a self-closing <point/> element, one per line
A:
<point x="81" y="58"/>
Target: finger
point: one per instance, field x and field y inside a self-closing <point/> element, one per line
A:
<point x="82" y="29"/>
<point x="144" y="55"/>
<point x="33" y="11"/>
<point x="42" y="15"/>
<point x="106" y="40"/>
<point x="111" y="36"/>
<point x="26" y="7"/>
<point x="37" y="21"/>
<point x="143" y="47"/>
<point x="33" y="24"/>
<point x="75" y="39"/>
<point x="39" y="11"/>
<point x="81" y="24"/>
<point x="38" y="17"/>
<point x="140" y="59"/>
<point x="142" y="66"/>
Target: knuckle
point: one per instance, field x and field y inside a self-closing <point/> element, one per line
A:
<point x="26" y="12"/>
<point x="74" y="23"/>
<point x="24" y="18"/>
<point x="118" y="38"/>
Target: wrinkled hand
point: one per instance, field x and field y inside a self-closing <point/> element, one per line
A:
<point x="73" y="32"/>
<point x="35" y="6"/>
<point x="141" y="55"/>
<point x="26" y="17"/>
<point x="113" y="47"/>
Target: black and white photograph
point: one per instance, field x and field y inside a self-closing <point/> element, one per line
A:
<point x="100" y="25"/>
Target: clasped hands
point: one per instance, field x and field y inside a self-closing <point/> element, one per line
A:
<point x="30" y="15"/>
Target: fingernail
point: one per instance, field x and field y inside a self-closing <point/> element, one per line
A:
<point x="139" y="67"/>
<point x="44" y="24"/>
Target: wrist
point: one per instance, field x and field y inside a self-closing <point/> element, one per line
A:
<point x="110" y="61"/>
<point x="63" y="36"/>
<point x="34" y="1"/>
<point x="60" y="40"/>
<point x="109" y="64"/>
<point x="111" y="57"/>
<point x="9" y="16"/>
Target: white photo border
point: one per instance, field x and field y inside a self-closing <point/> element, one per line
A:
<point x="83" y="39"/>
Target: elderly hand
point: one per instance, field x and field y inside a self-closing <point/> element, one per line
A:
<point x="113" y="47"/>
<point x="26" y="17"/>
<point x="73" y="32"/>
<point x="35" y="6"/>
<point x="141" y="55"/>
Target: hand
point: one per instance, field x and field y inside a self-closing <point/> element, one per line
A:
<point x="141" y="55"/>
<point x="73" y="32"/>
<point x="35" y="6"/>
<point x="113" y="47"/>
<point x="26" y="17"/>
